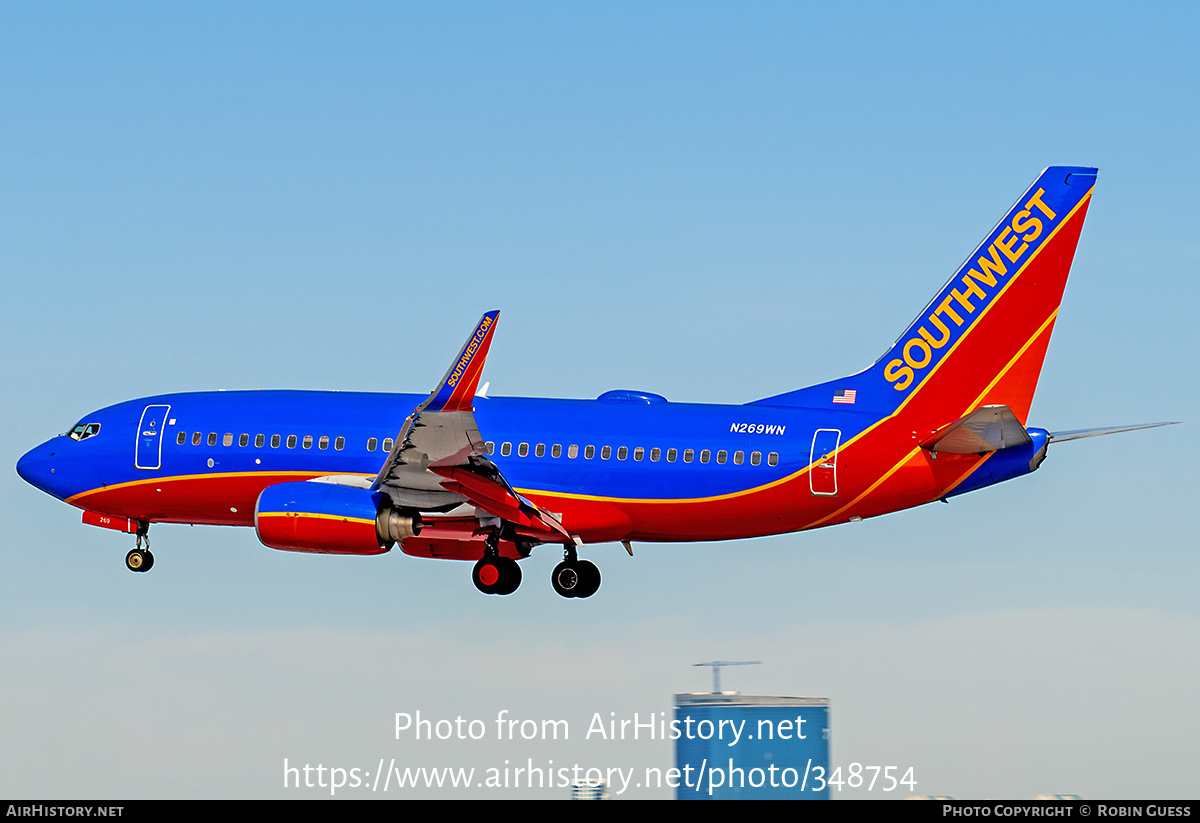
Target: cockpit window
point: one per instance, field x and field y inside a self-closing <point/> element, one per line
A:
<point x="85" y="430"/>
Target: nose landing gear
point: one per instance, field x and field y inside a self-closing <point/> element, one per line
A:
<point x="140" y="559"/>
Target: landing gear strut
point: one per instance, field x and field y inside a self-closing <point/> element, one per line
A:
<point x="574" y="577"/>
<point x="140" y="559"/>
<point x="494" y="574"/>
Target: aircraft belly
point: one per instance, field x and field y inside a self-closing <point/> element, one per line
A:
<point x="210" y="500"/>
<point x="866" y="488"/>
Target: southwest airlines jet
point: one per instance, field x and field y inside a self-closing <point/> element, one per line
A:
<point x="462" y="476"/>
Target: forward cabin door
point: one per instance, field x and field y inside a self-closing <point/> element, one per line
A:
<point x="149" y="438"/>
<point x="822" y="477"/>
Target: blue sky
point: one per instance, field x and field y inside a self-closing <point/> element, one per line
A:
<point x="716" y="202"/>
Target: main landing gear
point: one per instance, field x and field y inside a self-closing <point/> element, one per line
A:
<point x="140" y="559"/>
<point x="494" y="574"/>
<point x="574" y="577"/>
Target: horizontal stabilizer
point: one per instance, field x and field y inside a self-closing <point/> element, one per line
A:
<point x="1077" y="434"/>
<point x="986" y="429"/>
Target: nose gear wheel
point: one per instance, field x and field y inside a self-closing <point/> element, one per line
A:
<point x="139" y="558"/>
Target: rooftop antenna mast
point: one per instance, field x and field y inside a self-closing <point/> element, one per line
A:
<point x="716" y="669"/>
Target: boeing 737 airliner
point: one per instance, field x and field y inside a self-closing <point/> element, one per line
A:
<point x="463" y="476"/>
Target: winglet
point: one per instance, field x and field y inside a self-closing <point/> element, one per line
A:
<point x="456" y="392"/>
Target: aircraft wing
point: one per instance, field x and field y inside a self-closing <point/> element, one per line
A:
<point x="439" y="460"/>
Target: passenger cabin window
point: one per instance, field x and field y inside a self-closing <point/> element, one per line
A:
<point x="181" y="438"/>
<point x="523" y="450"/>
<point x="372" y="443"/>
<point x="572" y="452"/>
<point x="308" y="441"/>
<point x="489" y="447"/>
<point x="506" y="450"/>
<point x="622" y="452"/>
<point x="755" y="458"/>
<point x="259" y="440"/>
<point x="655" y="454"/>
<point x="291" y="443"/>
<point x="197" y="438"/>
<point x="541" y="449"/>
<point x="227" y="440"/>
<point x="738" y="457"/>
<point x="722" y="456"/>
<point x="773" y="459"/>
<point x="244" y="440"/>
<point x="688" y="454"/>
<point x="212" y="438"/>
<point x="589" y="452"/>
<point x="274" y="441"/>
<point x="85" y="430"/>
<point x="705" y="455"/>
<point x="672" y="454"/>
<point x="639" y="453"/>
<point x="339" y="443"/>
<point x="387" y="445"/>
<point x="605" y="452"/>
<point x="323" y="443"/>
<point x="556" y="451"/>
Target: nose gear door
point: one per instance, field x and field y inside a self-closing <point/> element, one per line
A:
<point x="149" y="438"/>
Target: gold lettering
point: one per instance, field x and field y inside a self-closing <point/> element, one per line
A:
<point x="1007" y="248"/>
<point x="1036" y="200"/>
<point x="972" y="288"/>
<point x="994" y="264"/>
<point x="1022" y="222"/>
<point x="987" y="279"/>
<point x="937" y="344"/>
<point x="908" y="358"/>
<point x="903" y="373"/>
<point x="945" y="309"/>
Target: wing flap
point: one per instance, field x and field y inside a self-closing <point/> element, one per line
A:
<point x="496" y="497"/>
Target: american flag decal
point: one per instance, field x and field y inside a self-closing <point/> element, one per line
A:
<point x="845" y="396"/>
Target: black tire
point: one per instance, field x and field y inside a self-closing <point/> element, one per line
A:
<point x="510" y="575"/>
<point x="589" y="581"/>
<point x="487" y="575"/>
<point x="149" y="564"/>
<point x="136" y="560"/>
<point x="566" y="579"/>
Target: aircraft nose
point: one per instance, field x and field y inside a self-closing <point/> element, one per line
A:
<point x="37" y="468"/>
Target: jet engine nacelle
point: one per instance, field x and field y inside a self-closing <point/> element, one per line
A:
<point x="327" y="518"/>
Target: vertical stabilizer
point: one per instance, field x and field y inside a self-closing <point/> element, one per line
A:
<point x="982" y="338"/>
